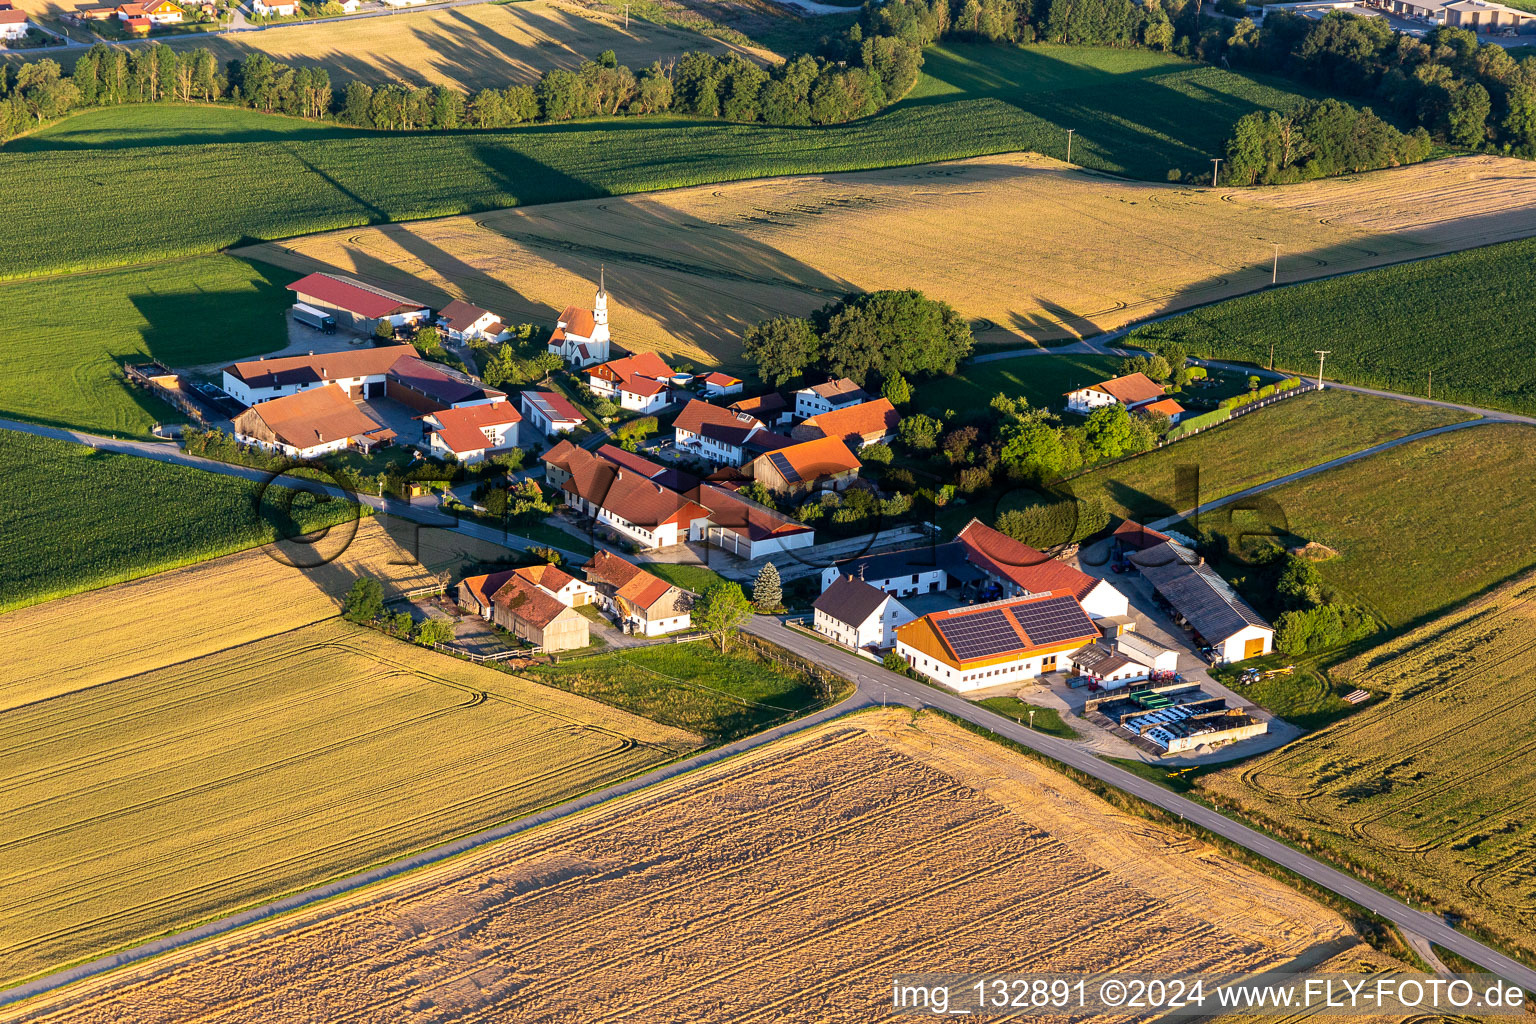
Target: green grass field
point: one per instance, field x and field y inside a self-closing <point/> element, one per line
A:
<point x="1417" y="528"/>
<point x="696" y="578"/>
<point x="1046" y="720"/>
<point x="1042" y="381"/>
<point x="76" y="518"/>
<point x="1252" y="449"/>
<point x="1136" y="113"/>
<point x="1453" y="316"/>
<point x="67" y="338"/>
<point x="691" y="686"/>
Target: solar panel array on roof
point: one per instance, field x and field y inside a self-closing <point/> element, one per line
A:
<point x="787" y="471"/>
<point x="1053" y="620"/>
<point x="979" y="635"/>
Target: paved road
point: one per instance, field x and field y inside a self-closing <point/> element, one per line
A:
<point x="880" y="685"/>
<point x="437" y="854"/>
<point x="1323" y="467"/>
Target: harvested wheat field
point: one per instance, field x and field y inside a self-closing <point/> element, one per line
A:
<point x="785" y="885"/>
<point x="1432" y="786"/>
<point x="152" y="802"/>
<point x="1036" y="250"/>
<point x="469" y="47"/>
<point x="144" y="624"/>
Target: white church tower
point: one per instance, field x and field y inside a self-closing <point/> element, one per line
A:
<point x="581" y="337"/>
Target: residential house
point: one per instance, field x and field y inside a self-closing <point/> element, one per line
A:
<point x="721" y="436"/>
<point x="163" y="12"/>
<point x="819" y="465"/>
<point x="13" y="25"/>
<point x="855" y="614"/>
<point x="275" y="9"/>
<point x="362" y="373"/>
<point x="834" y="394"/>
<point x="353" y="303"/>
<point x="581" y="336"/>
<point x="1206" y="603"/>
<point x="470" y="433"/>
<point x="855" y="425"/>
<point x="718" y="385"/>
<point x="551" y="413"/>
<point x="558" y="462"/>
<point x="641" y="602"/>
<point x="921" y="570"/>
<point x="1131" y="390"/>
<point x="638" y="509"/>
<point x="979" y="646"/>
<point x="309" y="424"/>
<point x="137" y="25"/>
<point x="744" y="528"/>
<point x="533" y="613"/>
<point x="771" y="409"/>
<point x="640" y="383"/>
<point x="461" y="321"/>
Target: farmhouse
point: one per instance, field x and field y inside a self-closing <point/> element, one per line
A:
<point x="855" y="425"/>
<point x="416" y="383"/>
<point x="639" y="383"/>
<point x="463" y="322"/>
<point x="309" y="424"/>
<point x="1131" y="390"/>
<point x="634" y="507"/>
<point x="855" y="614"/>
<point x="353" y="303"/>
<point x="559" y="459"/>
<point x="923" y="570"/>
<point x="551" y="413"/>
<point x="472" y="432"/>
<point x="640" y="602"/>
<point x="581" y="336"/>
<point x="1107" y="666"/>
<point x="1020" y="569"/>
<point x="1002" y="642"/>
<point x="274" y="8"/>
<point x="771" y="409"/>
<point x="531" y="612"/>
<point x="834" y="394"/>
<point x="13" y="25"/>
<point x="721" y="436"/>
<point x="744" y="528"/>
<point x="718" y="385"/>
<point x="1206" y="603"/>
<point x="820" y="465"/>
<point x="478" y="592"/>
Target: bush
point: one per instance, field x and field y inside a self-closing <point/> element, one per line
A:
<point x="1068" y="521"/>
<point x="638" y="429"/>
<point x="365" y="601"/>
<point x="432" y="631"/>
<point x="1190" y="424"/>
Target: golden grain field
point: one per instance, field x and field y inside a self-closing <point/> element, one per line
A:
<point x="149" y="803"/>
<point x="144" y="624"/>
<point x="1432" y="785"/>
<point x="787" y="884"/>
<point x="470" y="47"/>
<point x="1036" y="250"/>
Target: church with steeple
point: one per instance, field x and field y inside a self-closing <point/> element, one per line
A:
<point x="581" y="337"/>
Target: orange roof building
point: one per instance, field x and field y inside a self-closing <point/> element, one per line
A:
<point x="641" y="602"/>
<point x="855" y="425"/>
<point x="1131" y="390"/>
<point x="821" y="464"/>
<point x="1021" y="570"/>
<point x="470" y="433"/>
<point x="1163" y="407"/>
<point x="308" y="424"/>
<point x="640" y="383"/>
<point x="979" y="646"/>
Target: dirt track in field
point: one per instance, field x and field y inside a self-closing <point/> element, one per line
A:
<point x="1028" y="248"/>
<point x="787" y="884"/>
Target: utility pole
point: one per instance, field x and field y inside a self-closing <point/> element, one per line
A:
<point x="1069" y="144"/>
<point x="1271" y="355"/>
<point x="1274" y="270"/>
<point x="626" y="16"/>
<point x="1431" y="384"/>
<point x="1215" y="161"/>
<point x="1322" y="353"/>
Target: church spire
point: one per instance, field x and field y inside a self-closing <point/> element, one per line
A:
<point x="600" y="307"/>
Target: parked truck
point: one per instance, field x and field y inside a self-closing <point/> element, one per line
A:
<point x="318" y="319"/>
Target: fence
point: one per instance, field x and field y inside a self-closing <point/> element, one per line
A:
<point x="153" y="377"/>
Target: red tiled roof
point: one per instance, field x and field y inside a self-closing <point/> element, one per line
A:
<point x="1130" y="389"/>
<point x="836" y="388"/>
<point x="645" y="364"/>
<point x="812" y="460"/>
<point x="730" y="511"/>
<point x="526" y="601"/>
<point x="636" y="384"/>
<point x="697" y="414"/>
<point x="547" y="576"/>
<point x="866" y="420"/>
<point x="495" y="414"/>
<point x="720" y="380"/>
<point x="1028" y="567"/>
<point x="365" y="362"/>
<point x="1137" y="536"/>
<point x="1167" y="407"/>
<point x="639" y="500"/>
<point x="421" y="376"/>
<point x="629" y="581"/>
<point x="354" y="296"/>
<point x="9" y="17"/>
<point x="629" y="460"/>
<point x="577" y="321"/>
<point x="484" y="587"/>
<point x="763" y="406"/>
<point x="309" y="418"/>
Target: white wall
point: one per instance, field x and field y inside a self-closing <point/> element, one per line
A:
<point x="929" y="581"/>
<point x="1231" y="649"/>
<point x="976" y="679"/>
<point x="1087" y="399"/>
<point x="1104" y="601"/>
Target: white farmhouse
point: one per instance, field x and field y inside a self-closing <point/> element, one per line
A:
<point x="1131" y="391"/>
<point x="855" y="614"/>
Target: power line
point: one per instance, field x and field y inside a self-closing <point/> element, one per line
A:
<point x="1322" y="353"/>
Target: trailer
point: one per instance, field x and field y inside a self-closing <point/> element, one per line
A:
<point x="316" y="318"/>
